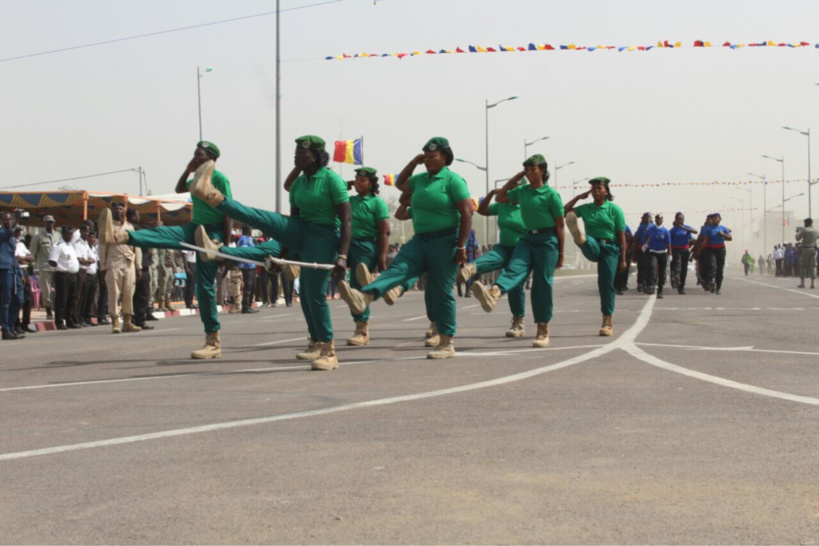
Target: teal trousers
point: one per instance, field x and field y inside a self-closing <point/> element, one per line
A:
<point x="433" y="254"/>
<point x="170" y="237"/>
<point x="313" y="243"/>
<point x="498" y="258"/>
<point x="607" y="256"/>
<point x="537" y="253"/>
<point x="257" y="253"/>
<point x="362" y="251"/>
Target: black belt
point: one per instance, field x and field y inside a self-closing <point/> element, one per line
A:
<point x="439" y="233"/>
<point x="609" y="241"/>
<point x="541" y="230"/>
<point x="366" y="239"/>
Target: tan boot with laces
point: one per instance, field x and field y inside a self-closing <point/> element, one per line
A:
<point x="445" y="349"/>
<point x="363" y="275"/>
<point x="358" y="301"/>
<point x="212" y="348"/>
<point x="542" y="338"/>
<point x="606" y="329"/>
<point x="518" y="328"/>
<point x="204" y="241"/>
<point x="392" y="295"/>
<point x="466" y="272"/>
<point x="489" y="297"/>
<point x="433" y="338"/>
<point x="129" y="325"/>
<point x="327" y="360"/>
<point x="202" y="188"/>
<point x="312" y="352"/>
<point x="361" y="336"/>
<point x="576" y="228"/>
<point x="115" y="326"/>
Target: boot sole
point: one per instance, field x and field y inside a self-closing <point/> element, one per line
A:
<point x="431" y="356"/>
<point x="515" y="334"/>
<point x="363" y="275"/>
<point x="208" y="357"/>
<point x="463" y="275"/>
<point x="323" y="368"/>
<point x="204" y="172"/>
<point x="199" y="236"/>
<point x="351" y="343"/>
<point x="571" y="224"/>
<point x="346" y="294"/>
<point x="483" y="296"/>
<point x="541" y="344"/>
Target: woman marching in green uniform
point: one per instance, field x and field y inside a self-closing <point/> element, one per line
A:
<point x="442" y="218"/>
<point x="371" y="239"/>
<point x="539" y="250"/>
<point x="602" y="239"/>
<point x="512" y="229"/>
<point x="318" y="230"/>
<point x="217" y="226"/>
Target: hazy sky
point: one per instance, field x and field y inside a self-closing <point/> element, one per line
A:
<point x="665" y="115"/>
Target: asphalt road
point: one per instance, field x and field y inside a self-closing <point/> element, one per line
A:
<point x="697" y="423"/>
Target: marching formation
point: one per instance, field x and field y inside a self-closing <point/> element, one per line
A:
<point x="331" y="236"/>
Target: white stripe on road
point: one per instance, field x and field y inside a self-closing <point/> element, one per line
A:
<point x="626" y="339"/>
<point x="802" y="292"/>
<point x="267" y="344"/>
<point x="749" y="349"/>
<point x="414" y="318"/>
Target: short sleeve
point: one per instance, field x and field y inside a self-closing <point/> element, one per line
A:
<point x="409" y="213"/>
<point x="54" y="255"/>
<point x="580" y="211"/>
<point x="382" y="211"/>
<point x="556" y="206"/>
<point x="457" y="188"/>
<point x="668" y="237"/>
<point x="221" y="183"/>
<point x="494" y="208"/>
<point x="619" y="219"/>
<point x="338" y="189"/>
<point x="514" y="194"/>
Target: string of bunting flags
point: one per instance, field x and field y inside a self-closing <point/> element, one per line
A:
<point x="574" y="47"/>
<point x="389" y="180"/>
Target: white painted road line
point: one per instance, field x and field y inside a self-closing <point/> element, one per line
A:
<point x="414" y="318"/>
<point x="749" y="348"/>
<point x="267" y="344"/>
<point x="803" y="292"/>
<point x="627" y="338"/>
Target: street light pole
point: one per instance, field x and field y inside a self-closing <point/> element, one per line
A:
<point x="486" y="121"/>
<point x="807" y="134"/>
<point x="199" y="74"/>
<point x="527" y="144"/>
<point x="278" y="118"/>
<point x="576" y="182"/>
<point x="560" y="167"/>
<point x="765" y="211"/>
<point x="782" y="162"/>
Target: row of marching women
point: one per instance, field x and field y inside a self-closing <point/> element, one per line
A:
<point x="328" y="232"/>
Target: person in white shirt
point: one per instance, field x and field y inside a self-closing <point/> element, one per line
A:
<point x="25" y="259"/>
<point x="779" y="255"/>
<point x="86" y="258"/>
<point x="63" y="259"/>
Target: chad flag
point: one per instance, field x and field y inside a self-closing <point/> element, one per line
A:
<point x="349" y="151"/>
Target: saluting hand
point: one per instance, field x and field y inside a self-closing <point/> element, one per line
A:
<point x="419" y="159"/>
<point x="584" y="195"/>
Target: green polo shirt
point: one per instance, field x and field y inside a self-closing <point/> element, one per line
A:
<point x="510" y="222"/>
<point x="203" y="213"/>
<point x="434" y="199"/>
<point x="538" y="207"/>
<point x="317" y="197"/>
<point x="366" y="212"/>
<point x="603" y="222"/>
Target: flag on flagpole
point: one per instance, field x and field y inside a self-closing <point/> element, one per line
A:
<point x="349" y="151"/>
<point x="389" y="180"/>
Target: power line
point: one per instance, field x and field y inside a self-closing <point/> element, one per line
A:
<point x="69" y="179"/>
<point x="160" y="32"/>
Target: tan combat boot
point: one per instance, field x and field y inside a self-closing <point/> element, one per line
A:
<point x="202" y="188"/>
<point x="577" y="229"/>
<point x="312" y="352"/>
<point x="542" y="338"/>
<point x="363" y="275"/>
<point x="358" y="301"/>
<point x="466" y="272"/>
<point x="129" y="325"/>
<point x="203" y="241"/>
<point x="433" y="337"/>
<point x="168" y="306"/>
<point x="292" y="272"/>
<point x="606" y="328"/>
<point x="392" y="295"/>
<point x="361" y="336"/>
<point x="328" y="359"/>
<point x="489" y="297"/>
<point x="518" y="328"/>
<point x="212" y="348"/>
<point x="108" y="233"/>
<point x="445" y="349"/>
<point x="115" y="326"/>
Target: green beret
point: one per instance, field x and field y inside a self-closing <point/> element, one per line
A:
<point x="600" y="180"/>
<point x="365" y="171"/>
<point x="209" y="147"/>
<point x="436" y="143"/>
<point x="536" y="159"/>
<point x="310" y="142"/>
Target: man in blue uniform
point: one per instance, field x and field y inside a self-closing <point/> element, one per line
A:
<point x="659" y="247"/>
